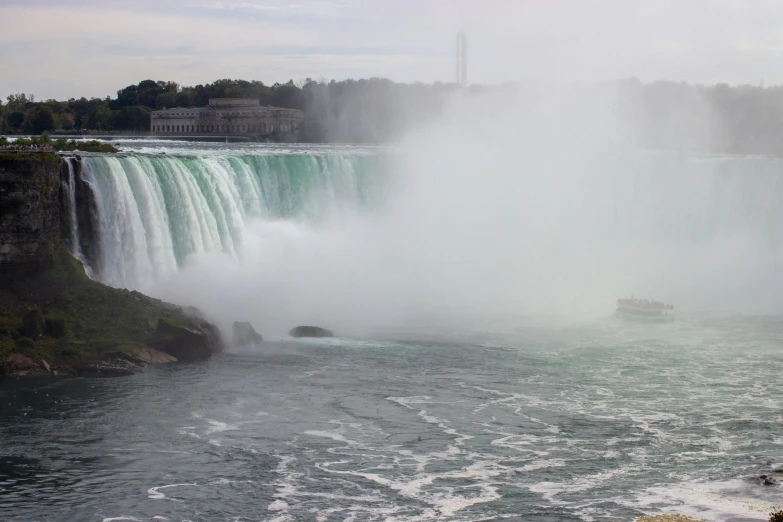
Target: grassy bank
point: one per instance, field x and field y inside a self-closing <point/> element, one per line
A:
<point x="60" y="144"/>
<point x="61" y="316"/>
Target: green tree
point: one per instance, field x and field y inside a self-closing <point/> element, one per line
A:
<point x="15" y="121"/>
<point x="66" y="121"/>
<point x="101" y="118"/>
<point x="182" y="100"/>
<point x="18" y="102"/>
<point x="131" y="118"/>
<point x="165" y="100"/>
<point x="44" y="120"/>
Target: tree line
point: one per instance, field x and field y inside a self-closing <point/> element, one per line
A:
<point x="363" y="111"/>
<point x="717" y="118"/>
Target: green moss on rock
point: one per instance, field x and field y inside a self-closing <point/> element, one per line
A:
<point x="33" y="325"/>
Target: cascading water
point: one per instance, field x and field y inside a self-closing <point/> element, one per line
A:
<point x="158" y="211"/>
<point x="68" y="198"/>
<point x="461" y="234"/>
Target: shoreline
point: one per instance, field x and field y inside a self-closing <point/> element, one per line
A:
<point x="54" y="319"/>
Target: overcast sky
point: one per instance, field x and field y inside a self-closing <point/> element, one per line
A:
<point x="71" y="48"/>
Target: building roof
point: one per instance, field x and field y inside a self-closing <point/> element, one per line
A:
<point x="233" y="102"/>
<point x="253" y="109"/>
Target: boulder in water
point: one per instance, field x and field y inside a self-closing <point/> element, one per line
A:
<point x="245" y="334"/>
<point x="310" y="331"/>
<point x="20" y="362"/>
<point x="141" y="355"/>
<point x="108" y="368"/>
<point x="186" y="344"/>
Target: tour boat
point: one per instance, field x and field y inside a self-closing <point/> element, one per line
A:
<point x="644" y="310"/>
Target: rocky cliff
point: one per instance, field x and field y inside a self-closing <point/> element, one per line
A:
<point x="53" y="318"/>
<point x="29" y="209"/>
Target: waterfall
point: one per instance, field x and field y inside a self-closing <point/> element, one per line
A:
<point x="68" y="199"/>
<point x="155" y="212"/>
<point x="485" y="231"/>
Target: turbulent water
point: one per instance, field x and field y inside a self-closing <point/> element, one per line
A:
<point x="486" y="380"/>
<point x="592" y="421"/>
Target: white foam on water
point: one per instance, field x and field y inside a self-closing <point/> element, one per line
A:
<point x="217" y="426"/>
<point x="114" y="519"/>
<point x="281" y="518"/>
<point x="549" y="490"/>
<point x="277" y="505"/>
<point x="331" y="435"/>
<point x="542" y="464"/>
<point x="154" y="493"/>
<point x="716" y="502"/>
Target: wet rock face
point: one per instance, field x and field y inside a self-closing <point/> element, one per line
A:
<point x="33" y="324"/>
<point x="129" y="361"/>
<point x="29" y="211"/>
<point x="79" y="218"/>
<point x="108" y="368"/>
<point x="183" y="342"/>
<point x="245" y="334"/>
<point x="18" y="364"/>
<point x="310" y="331"/>
<point x="56" y="327"/>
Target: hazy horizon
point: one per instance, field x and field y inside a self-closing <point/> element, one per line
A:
<point x="71" y="49"/>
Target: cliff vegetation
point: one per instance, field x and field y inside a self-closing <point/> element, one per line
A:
<point x="53" y="318"/>
<point x="742" y="118"/>
<point x="59" y="145"/>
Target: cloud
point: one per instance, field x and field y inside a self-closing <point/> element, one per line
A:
<point x="69" y="48"/>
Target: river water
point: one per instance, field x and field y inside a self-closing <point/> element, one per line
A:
<point x="588" y="421"/>
<point x="476" y="374"/>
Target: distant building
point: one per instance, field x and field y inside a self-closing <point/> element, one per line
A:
<point x="227" y="116"/>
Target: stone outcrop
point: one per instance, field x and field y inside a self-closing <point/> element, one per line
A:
<point x="245" y="334"/>
<point x="79" y="212"/>
<point x="29" y="209"/>
<point x="184" y="343"/>
<point x="147" y="355"/>
<point x="54" y="320"/>
<point x="108" y="368"/>
<point x="33" y="324"/>
<point x="128" y="360"/>
<point x="21" y="362"/>
<point x="56" y="326"/>
<point x="310" y="331"/>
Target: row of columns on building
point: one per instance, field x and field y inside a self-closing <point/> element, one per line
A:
<point x="192" y="129"/>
